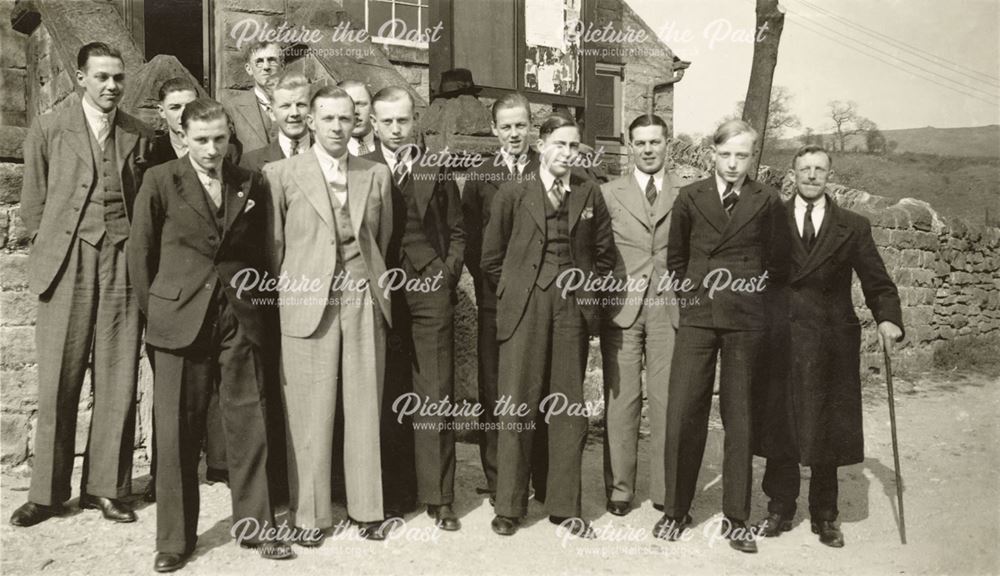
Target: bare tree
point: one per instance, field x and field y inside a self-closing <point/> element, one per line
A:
<point x="779" y="116"/>
<point x="845" y="120"/>
<point x="770" y="22"/>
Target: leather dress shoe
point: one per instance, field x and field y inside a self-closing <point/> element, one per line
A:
<point x="444" y="517"/>
<point x="169" y="561"/>
<point x="773" y="525"/>
<point x="575" y="525"/>
<point x="829" y="534"/>
<point x="670" y="529"/>
<point x="30" y="514"/>
<point x="741" y="537"/>
<point x="213" y="475"/>
<point x="308" y="537"/>
<point x="504" y="525"/>
<point x="270" y="550"/>
<point x="373" y="531"/>
<point x="111" y="509"/>
<point x="149" y="494"/>
<point x="619" y="508"/>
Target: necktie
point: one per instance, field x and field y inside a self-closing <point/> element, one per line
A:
<point x="729" y="198"/>
<point x="808" y="231"/>
<point x="650" y="191"/>
<point x="557" y="193"/>
<point x="214" y="189"/>
<point x="103" y="129"/>
<point x="401" y="173"/>
<point x="295" y="147"/>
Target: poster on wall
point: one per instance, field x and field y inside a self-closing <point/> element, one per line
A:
<point x="552" y="61"/>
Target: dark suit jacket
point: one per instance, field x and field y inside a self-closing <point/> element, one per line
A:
<point x="255" y="159"/>
<point x="440" y="206"/>
<point x="481" y="185"/>
<point x="176" y="255"/>
<point x="810" y="404"/>
<point x="161" y="151"/>
<point x="703" y="241"/>
<point x="249" y="131"/>
<point x="59" y="174"/>
<point x="514" y="245"/>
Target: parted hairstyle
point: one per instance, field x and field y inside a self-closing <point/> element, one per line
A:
<point x="731" y="129"/>
<point x="176" y="85"/>
<point x="555" y="121"/>
<point x="96" y="49"/>
<point x="202" y="109"/>
<point x="649" y="120"/>
<point x="811" y="149"/>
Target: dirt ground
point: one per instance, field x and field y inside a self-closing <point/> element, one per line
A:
<point x="948" y="429"/>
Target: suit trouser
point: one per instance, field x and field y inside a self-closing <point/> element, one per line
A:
<point x="431" y="322"/>
<point x="399" y="475"/>
<point x="489" y="374"/>
<point x="215" y="436"/>
<point x="648" y="342"/>
<point x="349" y="341"/>
<point x="223" y="358"/>
<point x="692" y="375"/>
<point x="546" y="355"/>
<point x="91" y="309"/>
<point x="781" y="484"/>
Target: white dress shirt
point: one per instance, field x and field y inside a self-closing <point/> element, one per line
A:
<point x="515" y="164"/>
<point x="354" y="146"/>
<point x="286" y="143"/>
<point x="99" y="121"/>
<point x="720" y="184"/>
<point x="819" y="210"/>
<point x="334" y="171"/>
<point x="391" y="160"/>
<point x="643" y="179"/>
<point x="177" y="143"/>
<point x="211" y="182"/>
<point x="548" y="179"/>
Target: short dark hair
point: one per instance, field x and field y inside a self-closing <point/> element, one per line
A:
<point x="392" y="94"/>
<point x="555" y="121"/>
<point x="345" y="84"/>
<point x="96" y="49"/>
<point x="202" y="109"/>
<point x="649" y="120"/>
<point x="179" y="84"/>
<point x="329" y="92"/>
<point x="511" y="100"/>
<point x="811" y="149"/>
<point x="259" y="45"/>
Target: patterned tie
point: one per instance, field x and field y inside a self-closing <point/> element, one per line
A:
<point x="650" y="191"/>
<point x="557" y="193"/>
<point x="294" y="146"/>
<point x="729" y="198"/>
<point x="808" y="230"/>
<point x="103" y="129"/>
<point x="401" y="172"/>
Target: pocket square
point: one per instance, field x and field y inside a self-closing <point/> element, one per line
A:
<point x="250" y="204"/>
<point x="588" y="212"/>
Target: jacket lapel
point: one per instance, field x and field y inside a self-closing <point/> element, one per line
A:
<point x="577" y="201"/>
<point x="192" y="191"/>
<point x="751" y="200"/>
<point x="77" y="125"/>
<point x="358" y="189"/>
<point x="665" y="199"/>
<point x="237" y="194"/>
<point x="833" y="233"/>
<point x="631" y="196"/>
<point x="533" y="203"/>
<point x="309" y="177"/>
<point x="707" y="201"/>
<point x="799" y="252"/>
<point x="247" y="107"/>
<point x="422" y="187"/>
<point x="126" y="138"/>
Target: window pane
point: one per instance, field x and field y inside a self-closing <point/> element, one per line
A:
<point x="379" y="13"/>
<point x="604" y="90"/>
<point x="408" y="14"/>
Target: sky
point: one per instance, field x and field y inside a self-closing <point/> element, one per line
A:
<point x="818" y="62"/>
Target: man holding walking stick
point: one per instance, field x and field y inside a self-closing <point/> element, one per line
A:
<point x="809" y="407"/>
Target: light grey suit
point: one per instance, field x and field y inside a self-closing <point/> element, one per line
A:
<point x="640" y="323"/>
<point x="331" y="330"/>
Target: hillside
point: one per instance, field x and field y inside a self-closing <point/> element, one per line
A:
<point x="964" y="187"/>
<point x="978" y="141"/>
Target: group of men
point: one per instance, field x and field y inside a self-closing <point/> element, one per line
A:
<point x="259" y="242"/>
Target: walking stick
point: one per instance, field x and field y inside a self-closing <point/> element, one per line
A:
<point x="895" y="447"/>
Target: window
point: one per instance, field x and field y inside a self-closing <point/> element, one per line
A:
<point x="402" y="22"/>
<point x="606" y="119"/>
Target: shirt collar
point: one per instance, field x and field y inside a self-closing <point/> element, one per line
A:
<point x="95" y="114"/>
<point x="285" y="143"/>
<point x="641" y="177"/>
<point x="177" y="143"/>
<point x="548" y="179"/>
<point x="819" y="204"/>
<point x="262" y="98"/>
<point x="390" y="157"/>
<point x="720" y="184"/>
<point x="327" y="161"/>
<point x="203" y="174"/>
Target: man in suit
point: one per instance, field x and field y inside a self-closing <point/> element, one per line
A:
<point x="175" y="94"/>
<point x="515" y="161"/>
<point x="727" y="246"/>
<point x="332" y="223"/>
<point x="363" y="140"/>
<point x="641" y="317"/>
<point x="200" y="227"/>
<point x="288" y="111"/>
<point x="812" y="398"/>
<point x="542" y="232"/>
<point x="249" y="110"/>
<point x="428" y="244"/>
<point x="80" y="179"/>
